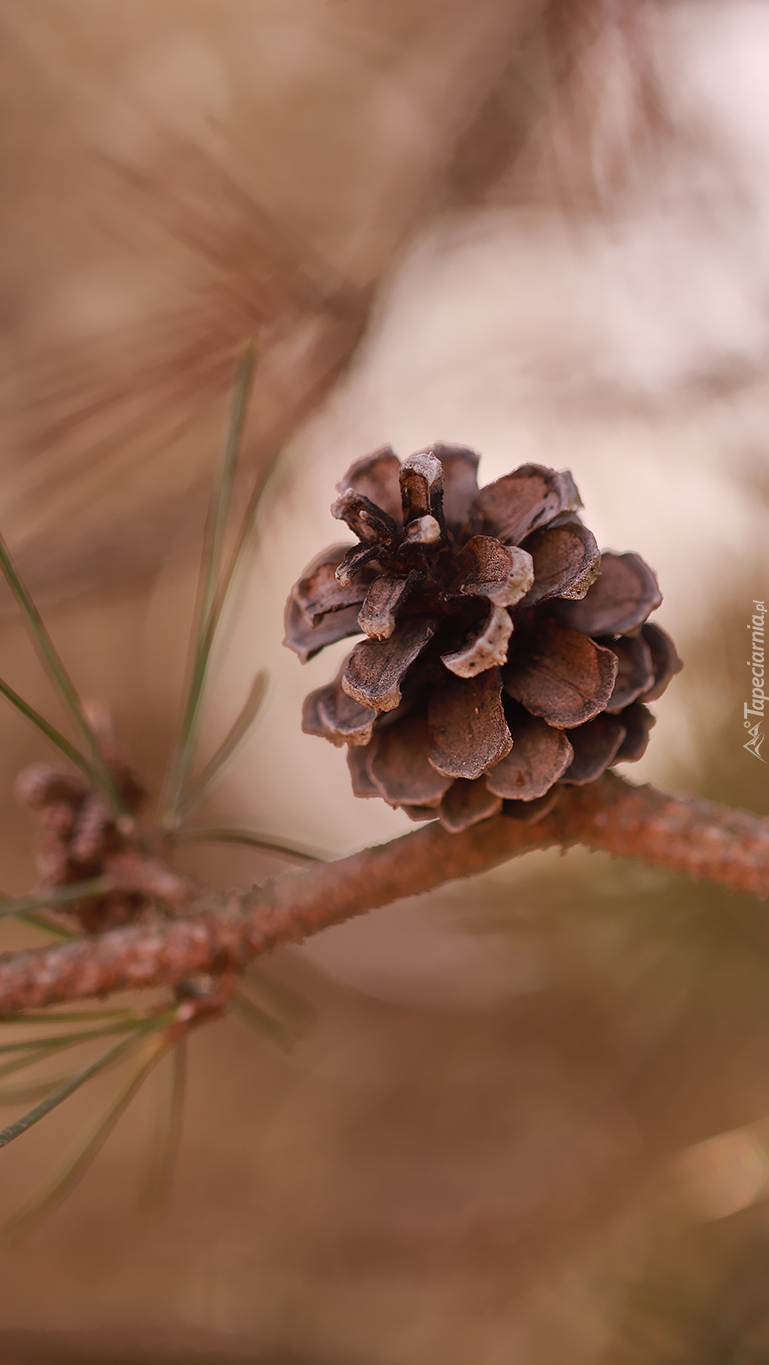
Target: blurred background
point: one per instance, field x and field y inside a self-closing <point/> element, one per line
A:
<point x="525" y="1119"/>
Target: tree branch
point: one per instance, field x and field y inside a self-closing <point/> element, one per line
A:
<point x="696" y="837"/>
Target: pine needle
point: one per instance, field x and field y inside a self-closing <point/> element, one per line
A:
<point x="27" y="1094"/>
<point x="46" y="1106"/>
<point x="280" y="999"/>
<point x="165" y="1152"/>
<point x="220" y="510"/>
<point x="266" y="1025"/>
<point x="70" y="1039"/>
<point x="29" y="1059"/>
<point x="59" y="676"/>
<point x="21" y="906"/>
<point x="242" y="538"/>
<point x="50" y="731"/>
<point x="75" y="1167"/>
<point x="66" y="1017"/>
<point x="248" y="839"/>
<point x="49" y="1047"/>
<point x="40" y="922"/>
<point x="214" y="768"/>
<point x="208" y="587"/>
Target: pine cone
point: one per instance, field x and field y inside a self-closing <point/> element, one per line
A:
<point x="504" y="655"/>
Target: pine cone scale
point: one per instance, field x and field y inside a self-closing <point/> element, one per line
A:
<point x="307" y="640"/>
<point x="320" y="591"/>
<point x="399" y="764"/>
<point x="565" y="561"/>
<point x="460" y="483"/>
<point x="539" y="756"/>
<point x="362" y="784"/>
<point x="638" y="721"/>
<point x="665" y="660"/>
<point x="487" y="649"/>
<point x="623" y="595"/>
<point x="519" y="503"/>
<point x="467" y="727"/>
<point x="466" y="803"/>
<point x="500" y="573"/>
<point x="376" y="668"/>
<point x="384" y="600"/>
<point x="344" y="720"/>
<point x="561" y="675"/>
<point x="370" y="523"/>
<point x="376" y="477"/>
<point x="530" y="811"/>
<point x="635" y="674"/>
<point x="595" y="746"/>
<point x="421" y="480"/>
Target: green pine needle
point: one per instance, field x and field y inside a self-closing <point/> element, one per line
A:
<point x="52" y="1045"/>
<point x="22" y="906"/>
<point x="214" y="768"/>
<point x="208" y="588"/>
<point x="70" y="1017"/>
<point x="75" y="1167"/>
<point x="46" y="1106"/>
<point x="165" y="1150"/>
<point x="70" y="1039"/>
<point x="41" y="922"/>
<point x="242" y="538"/>
<point x="248" y="839"/>
<point x="266" y="1025"/>
<point x="60" y="678"/>
<point x="280" y="999"/>
<point x="50" y="731"/>
<point x="28" y="1059"/>
<point x="11" y="1095"/>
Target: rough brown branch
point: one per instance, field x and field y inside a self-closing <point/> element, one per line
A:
<point x="696" y="837"/>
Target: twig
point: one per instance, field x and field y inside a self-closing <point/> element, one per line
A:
<point x="696" y="837"/>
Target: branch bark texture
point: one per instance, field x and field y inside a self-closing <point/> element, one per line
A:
<point x="696" y="837"/>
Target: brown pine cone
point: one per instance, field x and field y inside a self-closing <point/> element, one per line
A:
<point x="504" y="655"/>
